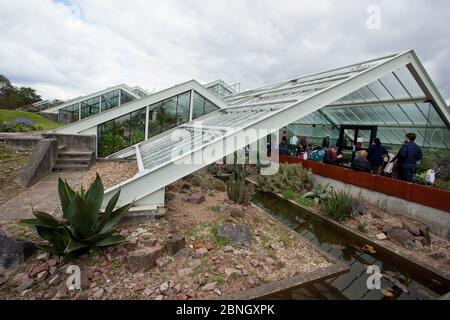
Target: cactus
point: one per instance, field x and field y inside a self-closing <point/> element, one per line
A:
<point x="237" y="189"/>
<point x="289" y="177"/>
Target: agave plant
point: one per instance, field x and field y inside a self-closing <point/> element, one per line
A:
<point x="83" y="226"/>
<point x="318" y="192"/>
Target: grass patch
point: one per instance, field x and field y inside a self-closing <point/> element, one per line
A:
<point x="307" y="202"/>
<point x="289" y="194"/>
<point x="38" y="120"/>
<point x="362" y="226"/>
<point x="214" y="208"/>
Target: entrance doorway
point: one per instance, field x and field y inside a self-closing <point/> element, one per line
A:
<point x="353" y="138"/>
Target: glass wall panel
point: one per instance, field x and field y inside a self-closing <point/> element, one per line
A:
<point x="394" y="87"/>
<point x="198" y="106"/>
<point x="137" y="126"/>
<point x="90" y="107"/>
<point x="209" y="106"/>
<point x="167" y="115"/>
<point x="125" y="97"/>
<point x="110" y="100"/>
<point x="409" y="82"/>
<point x="183" y="107"/>
<point x="69" y="114"/>
<point x="105" y="140"/>
<point x="121" y="132"/>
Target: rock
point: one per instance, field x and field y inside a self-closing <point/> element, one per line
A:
<point x="3" y="280"/>
<point x="186" y="186"/>
<point x="418" y="244"/>
<point x="422" y="240"/>
<point x="150" y="242"/>
<point x="25" y="285"/>
<point x="195" y="263"/>
<point x="254" y="262"/>
<point x="82" y="296"/>
<point x="160" y="262"/>
<point x="175" y="243"/>
<point x="160" y="297"/>
<point x="42" y="275"/>
<point x="411" y="227"/>
<point x="13" y="252"/>
<point x="401" y="236"/>
<point x="196" y="198"/>
<point x="359" y="209"/>
<point x="148" y="292"/>
<point x="395" y="222"/>
<point x="235" y="234"/>
<point x="201" y="252"/>
<point x="183" y="254"/>
<point x="209" y="286"/>
<point x="228" y="249"/>
<point x="144" y="259"/>
<point x="138" y="287"/>
<point x="381" y="236"/>
<point x="131" y="245"/>
<point x="437" y="256"/>
<point x="209" y="246"/>
<point x="177" y="288"/>
<point x="19" y="279"/>
<point x="386" y="228"/>
<point x="164" y="287"/>
<point x="52" y="262"/>
<point x="98" y="294"/>
<point x="42" y="256"/>
<point x="378" y="224"/>
<point x="55" y="280"/>
<point x="181" y="296"/>
<point x="218" y="185"/>
<point x="232" y="274"/>
<point x="185" y="272"/>
<point x="269" y="260"/>
<point x="42" y="267"/>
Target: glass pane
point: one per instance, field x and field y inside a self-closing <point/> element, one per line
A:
<point x="90" y="107"/>
<point x="110" y="100"/>
<point x="125" y="97"/>
<point x="69" y="114"/>
<point x="394" y="87"/>
<point x="379" y="91"/>
<point x="137" y="126"/>
<point x="414" y="114"/>
<point x="153" y="125"/>
<point x="198" y="106"/>
<point x="210" y="107"/>
<point x="398" y="114"/>
<point x="105" y="139"/>
<point x="183" y="108"/>
<point x="121" y="132"/>
<point x="409" y="82"/>
<point x="167" y="115"/>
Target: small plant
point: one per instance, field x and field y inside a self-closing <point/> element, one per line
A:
<point x="84" y="225"/>
<point x="214" y="208"/>
<point x="237" y="189"/>
<point x="289" y="176"/>
<point x="318" y="192"/>
<point x="362" y="226"/>
<point x="307" y="202"/>
<point x="288" y="194"/>
<point x="338" y="206"/>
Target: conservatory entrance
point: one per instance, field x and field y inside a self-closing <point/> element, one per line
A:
<point x="353" y="138"/>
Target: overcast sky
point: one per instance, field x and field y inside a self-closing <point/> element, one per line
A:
<point x="68" y="48"/>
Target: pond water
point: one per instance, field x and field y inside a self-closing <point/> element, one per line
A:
<point x="419" y="284"/>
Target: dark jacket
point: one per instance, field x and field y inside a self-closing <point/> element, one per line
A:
<point x="328" y="158"/>
<point x="361" y="165"/>
<point x="375" y="155"/>
<point x="409" y="154"/>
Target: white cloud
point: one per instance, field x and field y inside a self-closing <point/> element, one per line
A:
<point x="157" y="44"/>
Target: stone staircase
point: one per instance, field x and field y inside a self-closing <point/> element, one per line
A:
<point x="73" y="160"/>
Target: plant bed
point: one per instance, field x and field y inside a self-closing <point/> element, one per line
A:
<point x="202" y="266"/>
<point x="433" y="258"/>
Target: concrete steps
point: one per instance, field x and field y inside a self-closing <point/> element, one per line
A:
<point x="73" y="160"/>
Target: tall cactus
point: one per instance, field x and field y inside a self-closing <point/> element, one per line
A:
<point x="237" y="189"/>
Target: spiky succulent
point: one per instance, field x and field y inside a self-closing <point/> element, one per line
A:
<point x="83" y="226"/>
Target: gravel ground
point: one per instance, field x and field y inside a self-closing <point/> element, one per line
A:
<point x="111" y="172"/>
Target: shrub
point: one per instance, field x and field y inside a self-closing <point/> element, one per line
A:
<point x="288" y="194"/>
<point x="307" y="202"/>
<point x="318" y="192"/>
<point x="289" y="176"/>
<point x="18" y="125"/>
<point x="215" y="208"/>
<point x="84" y="226"/>
<point x="338" y="206"/>
<point x="362" y="226"/>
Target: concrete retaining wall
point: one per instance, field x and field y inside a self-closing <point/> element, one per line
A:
<point x="74" y="142"/>
<point x="40" y="162"/>
<point x="437" y="220"/>
<point x="21" y="143"/>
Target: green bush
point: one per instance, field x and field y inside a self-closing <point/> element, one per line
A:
<point x="318" y="192"/>
<point x="84" y="225"/>
<point x="289" y="176"/>
<point x="338" y="206"/>
<point x="307" y="202"/>
<point x="288" y="194"/>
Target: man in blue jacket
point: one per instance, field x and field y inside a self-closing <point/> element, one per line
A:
<point x="407" y="157"/>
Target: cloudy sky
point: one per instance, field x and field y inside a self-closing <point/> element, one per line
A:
<point x="72" y="47"/>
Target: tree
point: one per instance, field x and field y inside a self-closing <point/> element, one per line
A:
<point x="13" y="98"/>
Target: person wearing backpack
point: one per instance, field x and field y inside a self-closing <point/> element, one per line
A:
<point x="407" y="158"/>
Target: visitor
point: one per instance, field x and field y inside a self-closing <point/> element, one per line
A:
<point x="326" y="141"/>
<point x="303" y="142"/>
<point x="293" y="141"/>
<point x="283" y="149"/>
<point x="331" y="156"/>
<point x="317" y="154"/>
<point x="407" y="158"/>
<point x="360" y="163"/>
<point x="375" y="155"/>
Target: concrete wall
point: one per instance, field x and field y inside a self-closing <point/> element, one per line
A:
<point x="40" y="162"/>
<point x="74" y="142"/>
<point x="437" y="220"/>
<point x="21" y="143"/>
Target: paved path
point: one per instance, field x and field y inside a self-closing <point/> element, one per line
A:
<point x="43" y="196"/>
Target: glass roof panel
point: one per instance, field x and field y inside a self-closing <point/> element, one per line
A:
<point x="409" y="82"/>
<point x="394" y="87"/>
